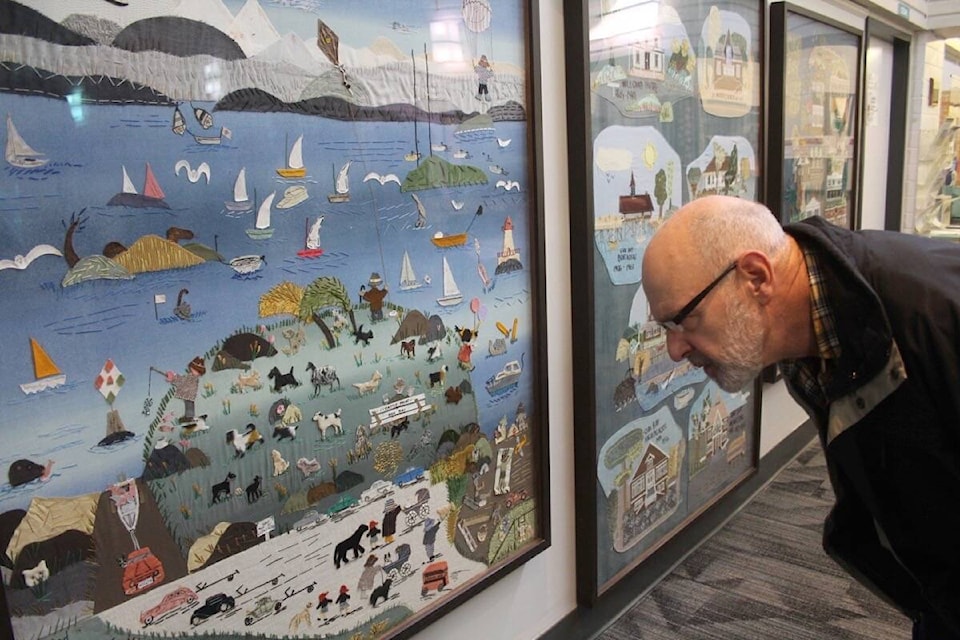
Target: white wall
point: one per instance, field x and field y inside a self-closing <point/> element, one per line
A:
<point x="535" y="597"/>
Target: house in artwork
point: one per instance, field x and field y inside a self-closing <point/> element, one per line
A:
<point x="646" y="59"/>
<point x="710" y="430"/>
<point x="650" y="481"/>
<point x="635" y="206"/>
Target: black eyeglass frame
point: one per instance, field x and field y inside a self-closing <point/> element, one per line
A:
<point x="675" y="323"/>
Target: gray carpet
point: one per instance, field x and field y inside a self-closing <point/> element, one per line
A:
<point x="765" y="576"/>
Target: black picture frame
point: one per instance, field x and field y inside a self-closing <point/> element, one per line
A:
<point x="814" y="137"/>
<point x="640" y="79"/>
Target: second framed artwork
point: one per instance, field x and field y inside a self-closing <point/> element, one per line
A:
<point x="664" y="107"/>
<point x="815" y="80"/>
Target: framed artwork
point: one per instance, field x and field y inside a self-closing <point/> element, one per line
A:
<point x="272" y="275"/>
<point x="816" y="70"/>
<point x="661" y="114"/>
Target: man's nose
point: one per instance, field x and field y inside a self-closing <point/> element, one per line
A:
<point x="677" y="345"/>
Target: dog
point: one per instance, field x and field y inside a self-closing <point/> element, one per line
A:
<point x="243" y="441"/>
<point x="39" y="574"/>
<point x="369" y="386"/>
<point x="351" y="543"/>
<point x="453" y="395"/>
<point x="254" y="492"/>
<point x="249" y="380"/>
<point x="221" y="490"/>
<point x="434" y="353"/>
<point x="280" y="465"/>
<point x="364" y="336"/>
<point x="281" y="431"/>
<point x="308" y="467"/>
<point x="439" y="376"/>
<point x="399" y="428"/>
<point x="327" y="421"/>
<point x="383" y="591"/>
<point x="301" y="618"/>
<point x="408" y="348"/>
<point x="281" y="380"/>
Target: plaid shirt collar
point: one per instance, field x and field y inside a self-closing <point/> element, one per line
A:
<point x="806" y="373"/>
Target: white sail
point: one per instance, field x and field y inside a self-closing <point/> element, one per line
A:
<point x="263" y="213"/>
<point x="127" y="183"/>
<point x="408" y="278"/>
<point x="343" y="180"/>
<point x="421" y="212"/>
<point x="295" y="159"/>
<point x="313" y="236"/>
<point x="18" y="152"/>
<point x="240" y="187"/>
<point x="451" y="292"/>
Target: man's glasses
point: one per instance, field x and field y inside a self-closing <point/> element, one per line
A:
<point x="675" y="323"/>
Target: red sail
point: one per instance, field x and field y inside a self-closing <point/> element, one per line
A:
<point x="151" y="188"/>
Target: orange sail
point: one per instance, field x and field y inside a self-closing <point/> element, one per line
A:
<point x="46" y="373"/>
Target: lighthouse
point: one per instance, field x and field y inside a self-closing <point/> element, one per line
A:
<point x="508" y="258"/>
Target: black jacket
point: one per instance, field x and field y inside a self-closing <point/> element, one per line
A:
<point x="891" y="433"/>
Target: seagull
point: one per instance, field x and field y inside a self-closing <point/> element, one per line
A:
<point x="457" y="204"/>
<point x="22" y="262"/>
<point x="503" y="143"/>
<point x="193" y="175"/>
<point x="508" y="184"/>
<point x="382" y="179"/>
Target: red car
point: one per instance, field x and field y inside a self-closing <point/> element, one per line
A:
<point x="141" y="571"/>
<point x="179" y="598"/>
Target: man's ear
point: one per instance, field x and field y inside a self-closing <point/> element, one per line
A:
<point x="755" y="268"/>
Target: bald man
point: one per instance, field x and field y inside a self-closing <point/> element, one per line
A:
<point x="866" y="329"/>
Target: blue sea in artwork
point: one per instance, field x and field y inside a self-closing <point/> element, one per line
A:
<point x="81" y="326"/>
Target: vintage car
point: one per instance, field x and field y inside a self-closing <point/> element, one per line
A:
<point x="412" y="475"/>
<point x="177" y="599"/>
<point x="219" y="602"/>
<point x="378" y="489"/>
<point x="310" y="519"/>
<point x="264" y="607"/>
<point x="516" y="497"/>
<point x="436" y="576"/>
<point x="141" y="571"/>
<point x="343" y="503"/>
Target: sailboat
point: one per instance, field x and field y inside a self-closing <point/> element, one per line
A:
<point x="261" y="229"/>
<point x="18" y="152"/>
<point x="224" y="133"/>
<point x="408" y="279"/>
<point x="152" y="195"/>
<point x="341" y="185"/>
<point x="482" y="270"/>
<point x="294" y="167"/>
<point x="421" y="213"/>
<point x="414" y="155"/>
<point x="203" y="117"/>
<point x="456" y="239"/>
<point x="46" y="373"/>
<point x="241" y="201"/>
<point x="179" y="126"/>
<point x="311" y="244"/>
<point x="451" y="292"/>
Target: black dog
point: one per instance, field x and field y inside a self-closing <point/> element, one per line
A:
<point x="254" y="492"/>
<point x="399" y="428"/>
<point x="383" y="591"/>
<point x="221" y="490"/>
<point x="281" y="380"/>
<point x="351" y="543"/>
<point x="365" y="336"/>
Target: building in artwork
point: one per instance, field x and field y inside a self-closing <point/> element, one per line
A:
<point x="650" y="481"/>
<point x="728" y="65"/>
<point x="634" y="206"/>
<point x="709" y="432"/>
<point x="646" y="60"/>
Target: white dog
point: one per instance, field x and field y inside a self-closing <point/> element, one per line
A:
<point x="37" y="575"/>
<point x="280" y="465"/>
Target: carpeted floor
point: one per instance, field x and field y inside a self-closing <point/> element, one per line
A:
<point x="764" y="576"/>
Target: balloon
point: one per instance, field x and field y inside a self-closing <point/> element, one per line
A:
<point x="475" y="305"/>
<point x="482" y="313"/>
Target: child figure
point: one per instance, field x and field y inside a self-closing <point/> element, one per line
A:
<point x="343" y="599"/>
<point x="484" y="73"/>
